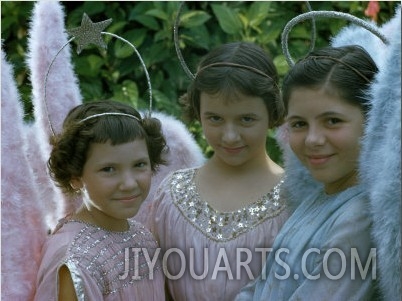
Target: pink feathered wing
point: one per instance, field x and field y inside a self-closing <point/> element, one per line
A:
<point x="47" y="36"/>
<point x="22" y="226"/>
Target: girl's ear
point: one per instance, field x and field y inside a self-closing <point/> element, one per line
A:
<point x="76" y="183"/>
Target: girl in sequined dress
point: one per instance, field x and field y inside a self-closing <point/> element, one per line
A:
<point x="216" y="222"/>
<point x="324" y="251"/>
<point x="106" y="153"/>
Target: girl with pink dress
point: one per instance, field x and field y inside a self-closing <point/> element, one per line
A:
<point x="215" y="223"/>
<point x="106" y="153"/>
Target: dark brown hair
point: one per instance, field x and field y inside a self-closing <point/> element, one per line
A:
<point x="258" y="77"/>
<point x="70" y="147"/>
<point x="347" y="71"/>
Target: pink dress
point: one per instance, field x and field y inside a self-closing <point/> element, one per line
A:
<point x="211" y="255"/>
<point x="104" y="265"/>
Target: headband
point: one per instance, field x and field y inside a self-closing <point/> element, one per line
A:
<point x="109" y="114"/>
<point x="314" y="57"/>
<point x="228" y="64"/>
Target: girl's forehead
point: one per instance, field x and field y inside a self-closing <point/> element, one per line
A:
<point x="315" y="102"/>
<point x="241" y="104"/>
<point x="103" y="150"/>
<point x="228" y="97"/>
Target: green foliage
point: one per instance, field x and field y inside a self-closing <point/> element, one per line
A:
<point x="116" y="73"/>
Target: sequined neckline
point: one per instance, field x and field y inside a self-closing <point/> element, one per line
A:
<point x="221" y="226"/>
<point x="70" y="219"/>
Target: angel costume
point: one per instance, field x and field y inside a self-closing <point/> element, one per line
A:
<point x="358" y="227"/>
<point x="28" y="193"/>
<point x="104" y="265"/>
<point x="210" y="255"/>
<point x="305" y="262"/>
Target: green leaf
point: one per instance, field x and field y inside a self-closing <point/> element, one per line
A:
<point x="159" y="97"/>
<point x="194" y="19"/>
<point x="127" y="92"/>
<point x="117" y="26"/>
<point x="89" y="65"/>
<point x="122" y="50"/>
<point x="160" y="14"/>
<point x="197" y="37"/>
<point x="336" y="26"/>
<point x="228" y="19"/>
<point x="136" y="37"/>
<point x="258" y="12"/>
<point x="92" y="89"/>
<point x="147" y="21"/>
<point x="162" y="35"/>
<point x="130" y="90"/>
<point x="156" y="54"/>
<point x="140" y="8"/>
<point x="281" y="64"/>
<point x="93" y="7"/>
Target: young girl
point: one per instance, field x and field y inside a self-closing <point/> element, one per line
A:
<point x="106" y="153"/>
<point x="324" y="251"/>
<point x="215" y="222"/>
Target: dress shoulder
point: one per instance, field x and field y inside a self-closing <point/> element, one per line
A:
<point x="102" y="254"/>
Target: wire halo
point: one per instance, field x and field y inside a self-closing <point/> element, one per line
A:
<point x="330" y="14"/>
<point x="102" y="33"/>
<point x="176" y="42"/>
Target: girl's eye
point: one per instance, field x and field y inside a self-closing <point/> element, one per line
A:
<point x="297" y="124"/>
<point x="107" y="169"/>
<point x="214" y="119"/>
<point x="141" y="164"/>
<point x="247" y="119"/>
<point x="333" y="121"/>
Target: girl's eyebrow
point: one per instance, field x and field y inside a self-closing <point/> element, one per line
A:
<point x="109" y="163"/>
<point x="324" y="114"/>
<point x="242" y="114"/>
<point x="329" y="113"/>
<point x="210" y="113"/>
<point x="250" y="114"/>
<point x="293" y="117"/>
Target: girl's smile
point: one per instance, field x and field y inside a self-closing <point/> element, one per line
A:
<point x="115" y="181"/>
<point x="324" y="133"/>
<point x="235" y="128"/>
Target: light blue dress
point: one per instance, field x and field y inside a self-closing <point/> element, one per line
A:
<point x="317" y="253"/>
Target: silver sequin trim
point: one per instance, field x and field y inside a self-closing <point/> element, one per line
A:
<point x="102" y="254"/>
<point x="221" y="226"/>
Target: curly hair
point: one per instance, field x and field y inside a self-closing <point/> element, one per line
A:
<point x="248" y="70"/>
<point x="70" y="147"/>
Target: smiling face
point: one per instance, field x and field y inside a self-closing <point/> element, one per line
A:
<point x="324" y="133"/>
<point x="236" y="129"/>
<point x="115" y="181"/>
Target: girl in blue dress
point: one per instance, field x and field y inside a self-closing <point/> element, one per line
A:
<point x="324" y="251"/>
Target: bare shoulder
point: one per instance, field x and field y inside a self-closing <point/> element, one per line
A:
<point x="66" y="287"/>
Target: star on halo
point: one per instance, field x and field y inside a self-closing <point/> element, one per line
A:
<point x="89" y="33"/>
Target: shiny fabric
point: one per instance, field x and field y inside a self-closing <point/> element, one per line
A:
<point x="210" y="255"/>
<point x="104" y="265"/>
<point x="324" y="239"/>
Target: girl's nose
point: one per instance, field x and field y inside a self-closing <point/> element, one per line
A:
<point x="315" y="136"/>
<point x="128" y="180"/>
<point x="230" y="133"/>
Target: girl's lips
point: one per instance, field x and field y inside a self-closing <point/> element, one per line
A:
<point x="233" y="150"/>
<point x="318" y="160"/>
<point x="128" y="199"/>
